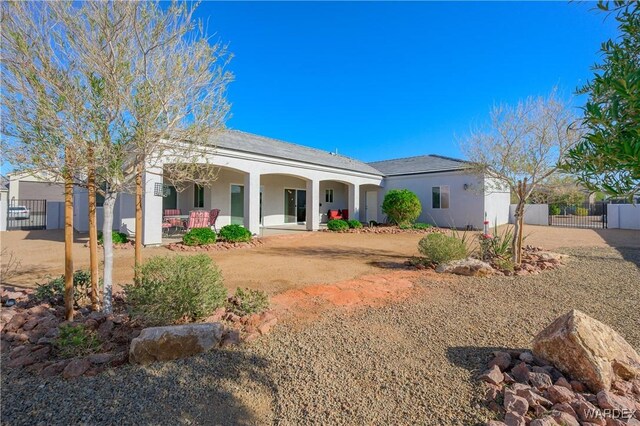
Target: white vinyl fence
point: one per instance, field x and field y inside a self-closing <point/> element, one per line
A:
<point x="534" y="214"/>
<point x="623" y="216"/>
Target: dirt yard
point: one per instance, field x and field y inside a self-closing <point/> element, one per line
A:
<point x="285" y="261"/>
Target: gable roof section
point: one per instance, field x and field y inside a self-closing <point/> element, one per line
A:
<point x="419" y="165"/>
<point x="250" y="143"/>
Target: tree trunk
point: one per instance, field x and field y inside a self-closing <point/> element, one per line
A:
<point x="107" y="245"/>
<point x="517" y="231"/>
<point x="93" y="234"/>
<point x="68" y="245"/>
<point x="138" y="235"/>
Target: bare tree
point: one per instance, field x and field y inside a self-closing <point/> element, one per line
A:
<point x="522" y="148"/>
<point x="138" y="79"/>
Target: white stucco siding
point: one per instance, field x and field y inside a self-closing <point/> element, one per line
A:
<point x="340" y="198"/>
<point x="81" y="211"/>
<point x="273" y="187"/>
<point x="466" y="206"/>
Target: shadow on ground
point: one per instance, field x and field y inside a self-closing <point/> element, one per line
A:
<point x="213" y="388"/>
<point x="334" y="252"/>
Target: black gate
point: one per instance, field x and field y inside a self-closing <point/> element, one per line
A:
<point x="585" y="215"/>
<point x="27" y="215"/>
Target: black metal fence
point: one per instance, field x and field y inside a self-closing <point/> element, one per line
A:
<point x="584" y="215"/>
<point x="27" y="215"/>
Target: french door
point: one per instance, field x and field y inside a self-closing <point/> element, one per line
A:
<point x="295" y="205"/>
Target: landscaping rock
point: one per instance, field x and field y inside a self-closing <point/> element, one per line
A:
<point x="515" y="404"/>
<point x="493" y="376"/>
<point x="76" y="368"/>
<point x="559" y="394"/>
<point x="469" y="267"/>
<point x="520" y="372"/>
<point x="564" y="419"/>
<point x="588" y="350"/>
<point x="513" y="419"/>
<point x="543" y="421"/>
<point x="501" y="359"/>
<point x="540" y="381"/>
<point x="173" y="342"/>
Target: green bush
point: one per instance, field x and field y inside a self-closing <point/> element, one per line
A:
<point x="199" y="237"/>
<point x="581" y="211"/>
<point x="337" y="225"/>
<point x="117" y="237"/>
<point x="54" y="289"/>
<point x="554" y="209"/>
<point x="247" y="301"/>
<point x="176" y="289"/>
<point x="401" y="206"/>
<point x="439" y="248"/>
<point x="422" y="226"/>
<point x="354" y="224"/>
<point x="235" y="233"/>
<point x="75" y="340"/>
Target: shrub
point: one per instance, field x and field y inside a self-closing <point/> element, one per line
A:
<point x="422" y="226"/>
<point x="496" y="246"/>
<point x="199" y="237"/>
<point x="401" y="206"/>
<point x="75" y="340"/>
<point x="117" y="237"/>
<point x="247" y="301"/>
<point x="54" y="289"/>
<point x="337" y="225"/>
<point x="581" y="211"/>
<point x="354" y="224"/>
<point x="554" y="209"/>
<point x="439" y="248"/>
<point x="235" y="233"/>
<point x="173" y="289"/>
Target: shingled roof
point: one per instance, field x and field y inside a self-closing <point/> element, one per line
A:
<point x="247" y="142"/>
<point x="419" y="165"/>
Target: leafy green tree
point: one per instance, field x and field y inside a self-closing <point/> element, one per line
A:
<point x="401" y="206"/>
<point x="608" y="157"/>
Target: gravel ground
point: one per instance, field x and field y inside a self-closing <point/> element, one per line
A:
<point x="406" y="363"/>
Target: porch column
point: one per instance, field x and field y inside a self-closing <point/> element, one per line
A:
<point x="152" y="207"/>
<point x="354" y="201"/>
<point x="252" y="202"/>
<point x="313" y="205"/>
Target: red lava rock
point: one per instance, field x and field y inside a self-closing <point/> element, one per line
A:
<point x="493" y="376"/>
<point x="8" y="336"/>
<point x="540" y="380"/>
<point x="30" y="324"/>
<point x="54" y="369"/>
<point x="564" y="383"/>
<point x="520" y="372"/>
<point x="18" y="351"/>
<point x="501" y="359"/>
<point x="583" y="409"/>
<point x="544" y="421"/>
<point x="105" y="329"/>
<point x="508" y="379"/>
<point x="611" y="401"/>
<point x="100" y="358"/>
<point x="217" y="315"/>
<point x="250" y="337"/>
<point x="515" y="404"/>
<point x="564" y="419"/>
<point x="533" y="398"/>
<point x="16" y="322"/>
<point x="266" y="326"/>
<point x="76" y="368"/>
<point x="559" y="394"/>
<point x="512" y="419"/>
<point x="491" y="392"/>
<point x="578" y="386"/>
<point x="622" y="386"/>
<point x="526" y="356"/>
<point x="565" y="408"/>
<point x="21" y="337"/>
<point x="495" y="423"/>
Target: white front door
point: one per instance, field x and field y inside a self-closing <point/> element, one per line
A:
<point x="371" y="206"/>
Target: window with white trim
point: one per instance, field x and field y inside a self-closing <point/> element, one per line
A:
<point x="440" y="197"/>
<point x="328" y="195"/>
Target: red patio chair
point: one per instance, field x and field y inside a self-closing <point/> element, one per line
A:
<point x="213" y="216"/>
<point x="198" y="219"/>
<point x="345" y="214"/>
<point x="173" y="222"/>
<point x="172" y="212"/>
<point x="334" y="215"/>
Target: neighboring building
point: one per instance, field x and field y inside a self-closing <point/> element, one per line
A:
<point x="34" y="186"/>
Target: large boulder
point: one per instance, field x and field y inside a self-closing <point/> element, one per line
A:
<point x="173" y="342"/>
<point x="587" y="350"/>
<point x="470" y="267"/>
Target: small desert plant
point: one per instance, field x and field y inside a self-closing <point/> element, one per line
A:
<point x="496" y="245"/>
<point x="401" y="206"/>
<point x="199" y="237"/>
<point x="439" y="248"/>
<point x="10" y="264"/>
<point x="54" y="289"/>
<point x="337" y="225"/>
<point x="354" y="224"/>
<point x="176" y="289"/>
<point x="117" y="237"/>
<point x="248" y="301"/>
<point x="581" y="211"/>
<point x="554" y="209"/>
<point x="422" y="226"/>
<point x="75" y="340"/>
<point x="235" y="233"/>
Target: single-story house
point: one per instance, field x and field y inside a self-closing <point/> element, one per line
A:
<point x="263" y="182"/>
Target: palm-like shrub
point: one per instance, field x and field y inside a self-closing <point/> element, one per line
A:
<point x="401" y="206"/>
<point x="337" y="225"/>
<point x="235" y="233"/>
<point x="438" y="248"/>
<point x="176" y="289"/>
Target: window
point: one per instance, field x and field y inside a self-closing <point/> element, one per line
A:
<point x="198" y="196"/>
<point x="440" y="197"/>
<point x="328" y="195"/>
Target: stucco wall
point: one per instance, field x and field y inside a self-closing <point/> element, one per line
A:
<point x="81" y="216"/>
<point x="623" y="216"/>
<point x="466" y="206"/>
<point x="496" y="203"/>
<point x="340" y="198"/>
<point x="4" y="206"/>
<point x="534" y="214"/>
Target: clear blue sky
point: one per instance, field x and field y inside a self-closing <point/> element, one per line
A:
<point x="388" y="80"/>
